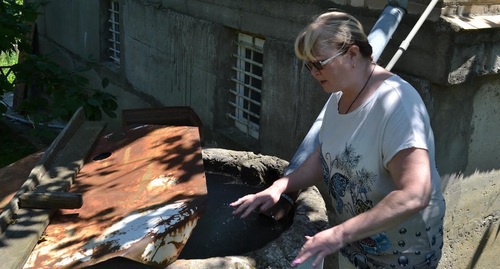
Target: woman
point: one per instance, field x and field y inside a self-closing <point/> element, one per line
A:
<point x="376" y="156"/>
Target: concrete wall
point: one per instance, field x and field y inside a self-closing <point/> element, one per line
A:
<point x="178" y="53"/>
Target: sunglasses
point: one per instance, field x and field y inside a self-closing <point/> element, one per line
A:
<point x="319" y="65"/>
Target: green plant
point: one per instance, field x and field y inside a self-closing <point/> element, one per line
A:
<point x="62" y="91"/>
<point x="8" y="60"/>
<point x="59" y="92"/>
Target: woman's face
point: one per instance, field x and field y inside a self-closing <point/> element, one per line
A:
<point x="329" y="70"/>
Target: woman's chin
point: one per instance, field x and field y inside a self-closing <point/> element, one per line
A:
<point x="327" y="88"/>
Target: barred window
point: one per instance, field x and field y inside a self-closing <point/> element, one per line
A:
<point x="246" y="94"/>
<point x="114" y="32"/>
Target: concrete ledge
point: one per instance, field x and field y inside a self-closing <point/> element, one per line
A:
<point x="473" y="22"/>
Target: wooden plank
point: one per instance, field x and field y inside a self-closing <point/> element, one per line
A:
<point x="51" y="200"/>
<point x="42" y="165"/>
<point x="17" y="242"/>
<point x="68" y="156"/>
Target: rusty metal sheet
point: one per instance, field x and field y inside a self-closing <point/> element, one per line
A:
<point x="14" y="175"/>
<point x="143" y="189"/>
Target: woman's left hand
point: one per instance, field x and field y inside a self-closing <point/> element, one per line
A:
<point x="319" y="246"/>
<point x="259" y="202"/>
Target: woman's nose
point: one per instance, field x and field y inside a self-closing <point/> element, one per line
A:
<point x="314" y="71"/>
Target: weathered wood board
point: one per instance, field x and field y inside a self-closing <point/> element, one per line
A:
<point x="23" y="228"/>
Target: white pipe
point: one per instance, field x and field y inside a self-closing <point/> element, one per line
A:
<point x="29" y="122"/>
<point x="404" y="45"/>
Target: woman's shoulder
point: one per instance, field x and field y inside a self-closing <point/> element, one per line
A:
<point x="395" y="85"/>
<point x="397" y="82"/>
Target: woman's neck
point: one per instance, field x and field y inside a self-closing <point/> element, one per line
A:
<point x="351" y="98"/>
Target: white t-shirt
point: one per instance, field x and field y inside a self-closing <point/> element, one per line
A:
<point x="355" y="150"/>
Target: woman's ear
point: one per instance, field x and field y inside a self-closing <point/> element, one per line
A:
<point x="354" y="54"/>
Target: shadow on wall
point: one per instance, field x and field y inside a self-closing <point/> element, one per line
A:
<point x="490" y="232"/>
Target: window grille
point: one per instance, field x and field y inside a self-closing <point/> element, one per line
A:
<point x="246" y="95"/>
<point x="114" y="31"/>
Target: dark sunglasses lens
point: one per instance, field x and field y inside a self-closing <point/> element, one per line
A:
<point x="318" y="65"/>
<point x="310" y="65"/>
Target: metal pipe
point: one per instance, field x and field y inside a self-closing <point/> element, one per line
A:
<point x="29" y="122"/>
<point x="404" y="45"/>
<point x="384" y="28"/>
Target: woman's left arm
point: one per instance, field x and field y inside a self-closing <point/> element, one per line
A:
<point x="411" y="174"/>
<point x="410" y="171"/>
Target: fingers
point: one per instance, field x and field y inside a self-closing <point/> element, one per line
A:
<point x="237" y="202"/>
<point x="266" y="206"/>
<point x="309" y="255"/>
<point x="304" y="254"/>
<point x="239" y="205"/>
<point x="245" y="205"/>
<point x="319" y="259"/>
<point x="259" y="202"/>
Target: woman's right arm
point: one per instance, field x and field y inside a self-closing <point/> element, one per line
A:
<point x="304" y="176"/>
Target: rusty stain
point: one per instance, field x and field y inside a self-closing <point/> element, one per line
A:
<point x="143" y="191"/>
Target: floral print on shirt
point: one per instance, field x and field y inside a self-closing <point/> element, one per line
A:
<point x="357" y="183"/>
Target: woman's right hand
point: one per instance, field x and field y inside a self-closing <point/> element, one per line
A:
<point x="259" y="202"/>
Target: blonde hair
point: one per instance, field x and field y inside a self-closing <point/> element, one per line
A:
<point x="334" y="29"/>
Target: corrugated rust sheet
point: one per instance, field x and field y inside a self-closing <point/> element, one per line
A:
<point x="143" y="190"/>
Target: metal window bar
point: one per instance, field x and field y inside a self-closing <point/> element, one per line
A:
<point x="245" y="110"/>
<point x="239" y="70"/>
<point x="244" y="122"/>
<point x="243" y="44"/>
<point x="114" y="30"/>
<point x="246" y="102"/>
<point x="247" y="99"/>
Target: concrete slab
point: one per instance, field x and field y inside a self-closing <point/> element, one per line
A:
<point x="474" y="22"/>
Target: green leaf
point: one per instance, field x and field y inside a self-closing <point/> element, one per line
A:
<point x="94" y="102"/>
<point x="105" y="82"/>
<point x="112" y="104"/>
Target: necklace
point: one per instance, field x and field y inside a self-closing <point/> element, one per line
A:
<point x="359" y="93"/>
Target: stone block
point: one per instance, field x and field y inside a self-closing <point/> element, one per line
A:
<point x="340" y="2"/>
<point x="376" y="4"/>
<point x="357" y="3"/>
